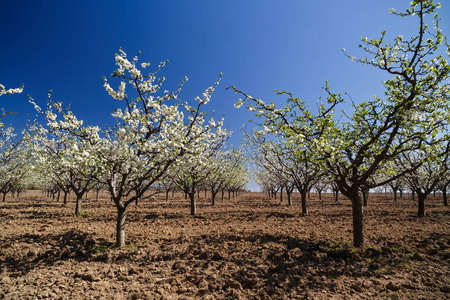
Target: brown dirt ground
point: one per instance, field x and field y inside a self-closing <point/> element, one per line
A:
<point x="251" y="247"/>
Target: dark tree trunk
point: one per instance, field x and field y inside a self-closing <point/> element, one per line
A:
<point x="320" y="195"/>
<point x="289" y="198"/>
<point x="120" y="227"/>
<point x="421" y="202"/>
<point x="401" y="193"/>
<point x="444" y="195"/>
<point x="4" y="197"/>
<point x="78" y="204"/>
<point x="65" y="198"/>
<point x="413" y="195"/>
<point x="229" y="194"/>
<point x="365" y="192"/>
<point x="281" y="194"/>
<point x="193" y="204"/>
<point x="222" y="194"/>
<point x="206" y="193"/>
<point x="304" y="194"/>
<point x="167" y="195"/>
<point x="173" y="193"/>
<point x="358" y="230"/>
<point x="96" y="196"/>
<point x="59" y="194"/>
<point x="213" y="197"/>
<point x="395" y="194"/>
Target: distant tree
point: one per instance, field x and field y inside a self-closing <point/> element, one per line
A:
<point x="225" y="167"/>
<point x="423" y="180"/>
<point x="192" y="171"/>
<point x="290" y="159"/>
<point x="167" y="184"/>
<point x="15" y="162"/>
<point x="63" y="158"/>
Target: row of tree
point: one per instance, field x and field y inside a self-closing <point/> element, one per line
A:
<point x="157" y="138"/>
<point x="401" y="136"/>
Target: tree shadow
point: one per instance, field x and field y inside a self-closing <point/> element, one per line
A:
<point x="281" y="261"/>
<point x="46" y="250"/>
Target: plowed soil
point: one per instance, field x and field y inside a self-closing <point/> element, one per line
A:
<point x="250" y="247"/>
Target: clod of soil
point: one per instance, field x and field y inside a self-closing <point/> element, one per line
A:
<point x="250" y="247"/>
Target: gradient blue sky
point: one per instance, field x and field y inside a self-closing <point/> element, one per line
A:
<point x="258" y="45"/>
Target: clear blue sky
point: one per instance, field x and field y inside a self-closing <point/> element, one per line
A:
<point x="258" y="45"/>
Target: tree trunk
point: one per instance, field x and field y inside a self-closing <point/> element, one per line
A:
<point x="401" y="193"/>
<point x="167" y="195"/>
<point x="365" y="193"/>
<point x="222" y="194"/>
<point x="304" y="194"/>
<point x="395" y="194"/>
<point x="120" y="227"/>
<point x="289" y="199"/>
<point x="213" y="197"/>
<point x="193" y="204"/>
<point x="65" y="198"/>
<point x="206" y="193"/>
<point x="444" y="195"/>
<point x="78" y="204"/>
<point x="96" y="196"/>
<point x="4" y="197"/>
<point x="358" y="230"/>
<point x="421" y="201"/>
<point x="320" y="195"/>
<point x="59" y="194"/>
<point x="281" y="194"/>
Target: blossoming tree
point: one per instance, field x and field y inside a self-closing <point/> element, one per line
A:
<point x="62" y="157"/>
<point x="192" y="171"/>
<point x="414" y="110"/>
<point x="154" y="129"/>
